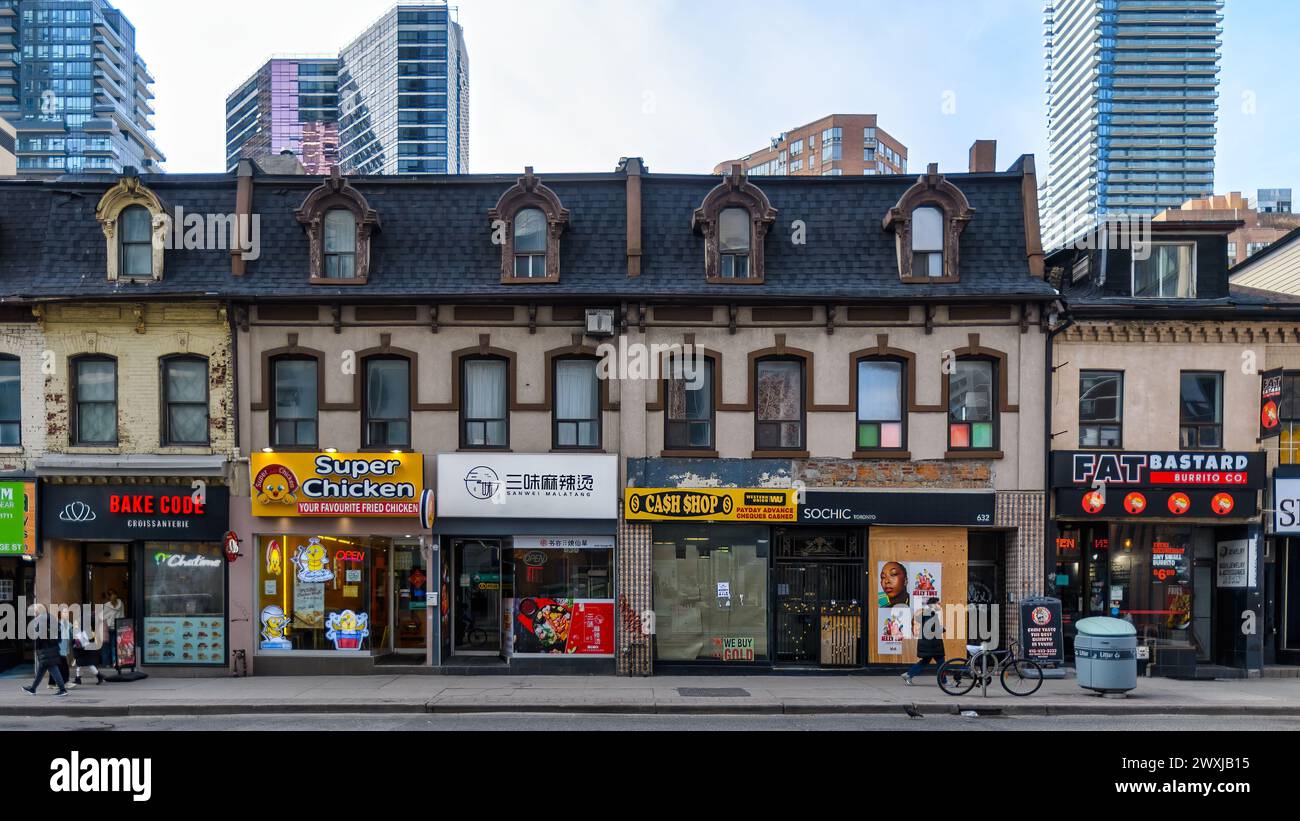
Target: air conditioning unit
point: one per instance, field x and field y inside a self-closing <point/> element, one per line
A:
<point x="600" y="322"/>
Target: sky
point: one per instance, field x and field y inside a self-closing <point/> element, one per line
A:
<point x="573" y="85"/>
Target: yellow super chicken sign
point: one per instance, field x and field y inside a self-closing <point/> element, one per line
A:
<point x="709" y="505"/>
<point x="336" y="484"/>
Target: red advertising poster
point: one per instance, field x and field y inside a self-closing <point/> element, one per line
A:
<point x="544" y="626"/>
<point x="125" y="643"/>
<point x="1270" y="397"/>
<point x="592" y="633"/>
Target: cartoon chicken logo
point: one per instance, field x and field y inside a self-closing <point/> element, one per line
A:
<point x="1179" y="504"/>
<point x="1222" y="504"/>
<point x="347" y="629"/>
<point x="1268" y="415"/>
<point x="274" y="625"/>
<point x="275" y="484"/>
<point x="312" y="561"/>
<point x="1093" y="501"/>
<point x="274" y="558"/>
<point x="1135" y="503"/>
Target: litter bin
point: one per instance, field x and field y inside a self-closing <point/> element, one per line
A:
<point x="1105" y="655"/>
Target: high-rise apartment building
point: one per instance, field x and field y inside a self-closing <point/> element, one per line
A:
<point x="394" y="101"/>
<point x="837" y="145"/>
<point x="75" y="89"/>
<point x="1131" y="105"/>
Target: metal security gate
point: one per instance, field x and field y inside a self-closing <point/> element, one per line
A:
<point x="819" y="613"/>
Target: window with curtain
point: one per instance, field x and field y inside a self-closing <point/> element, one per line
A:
<point x="688" y="406"/>
<point x="185" y="397"/>
<point x="734" y="238"/>
<point x="577" y="404"/>
<point x="483" y="407"/>
<point x="340" y="244"/>
<point x="1289" y="413"/>
<point x="95" y="387"/>
<point x="778" y="409"/>
<point x="1168" y="272"/>
<point x="1200" y="410"/>
<point x="387" y="421"/>
<point x="530" y="244"/>
<point x="293" y="414"/>
<point x="880" y="404"/>
<point x="972" y="405"/>
<point x="927" y="242"/>
<point x="11" y="415"/>
<point x="1101" y="409"/>
<point x="135" y="230"/>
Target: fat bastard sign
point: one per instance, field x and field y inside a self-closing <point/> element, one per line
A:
<point x="709" y="505"/>
<point x="1226" y="470"/>
<point x="336" y="484"/>
<point x="135" y="512"/>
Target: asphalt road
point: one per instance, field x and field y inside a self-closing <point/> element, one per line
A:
<point x="534" y="722"/>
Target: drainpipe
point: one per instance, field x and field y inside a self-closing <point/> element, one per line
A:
<point x="1049" y="526"/>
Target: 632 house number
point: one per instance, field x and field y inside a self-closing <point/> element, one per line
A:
<point x="984" y="518"/>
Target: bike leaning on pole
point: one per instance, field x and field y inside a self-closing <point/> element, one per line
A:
<point x="1019" y="676"/>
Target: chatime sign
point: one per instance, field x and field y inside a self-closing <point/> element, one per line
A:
<point x="336" y="484"/>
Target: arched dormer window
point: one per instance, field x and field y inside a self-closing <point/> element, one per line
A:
<point x="734" y="220"/>
<point x="136" y="226"/>
<point x="927" y="223"/>
<point x="339" y="223"/>
<point x="527" y="223"/>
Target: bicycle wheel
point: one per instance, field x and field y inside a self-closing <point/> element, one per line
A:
<point x="954" y="677"/>
<point x="1022" y="677"/>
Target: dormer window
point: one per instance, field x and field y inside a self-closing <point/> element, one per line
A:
<point x="340" y="244"/>
<point x="927" y="223"/>
<point x="136" y="226"/>
<point x="527" y="224"/>
<point x="530" y="244"/>
<point x="136" y="249"/>
<point x="927" y="242"/>
<point x="734" y="243"/>
<point x="339" y="223"/>
<point x="1168" y="272"/>
<point x="734" y="219"/>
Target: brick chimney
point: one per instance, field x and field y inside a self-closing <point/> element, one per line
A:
<point x="984" y="156"/>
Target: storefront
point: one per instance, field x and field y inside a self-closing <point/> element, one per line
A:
<point x="155" y="554"/>
<point x="526" y="560"/>
<point x="18" y="551"/>
<point x="1168" y="541"/>
<point x="339" y="570"/>
<point x="753" y="578"/>
<point x="1282" y="574"/>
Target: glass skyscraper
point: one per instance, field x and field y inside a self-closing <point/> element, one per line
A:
<point x="395" y="101"/>
<point x="1132" y="90"/>
<point x="75" y="89"/>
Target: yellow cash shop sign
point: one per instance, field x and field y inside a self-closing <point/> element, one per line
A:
<point x="709" y="505"/>
<point x="336" y="484"/>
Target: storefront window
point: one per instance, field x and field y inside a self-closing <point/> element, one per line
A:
<point x="184" y="604"/>
<point x="710" y="592"/>
<point x="1149" y="582"/>
<point x="316" y="593"/>
<point x="563" y="601"/>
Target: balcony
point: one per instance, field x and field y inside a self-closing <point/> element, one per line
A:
<point x="106" y="32"/>
<point x="105" y="64"/>
<point x="104" y="82"/>
<point x="110" y="51"/>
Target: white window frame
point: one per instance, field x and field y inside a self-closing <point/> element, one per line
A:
<point x="1132" y="281"/>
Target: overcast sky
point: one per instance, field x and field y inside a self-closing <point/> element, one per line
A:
<point x="574" y="85"/>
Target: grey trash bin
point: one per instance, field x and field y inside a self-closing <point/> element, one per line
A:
<point x="1105" y="655"/>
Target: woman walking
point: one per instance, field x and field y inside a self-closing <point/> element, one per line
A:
<point x="85" y="652"/>
<point x="46" y="645"/>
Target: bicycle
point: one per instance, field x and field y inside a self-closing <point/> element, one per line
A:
<point x="1019" y="676"/>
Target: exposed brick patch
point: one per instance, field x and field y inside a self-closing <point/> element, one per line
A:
<point x="892" y="473"/>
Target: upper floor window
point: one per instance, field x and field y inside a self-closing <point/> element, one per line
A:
<point x="485" y="397"/>
<point x="136" y="248"/>
<point x="530" y="244"/>
<point x="340" y="244"/>
<point x="387" y="402"/>
<point x="94" y="403"/>
<point x="734" y="219"/>
<point x="1200" y="417"/>
<point x="688" y="408"/>
<point x="295" y="383"/>
<point x="972" y="405"/>
<point x="779" y="404"/>
<point x="1289" y="414"/>
<point x="881" y="398"/>
<point x="11" y="416"/>
<point x="1168" y="272"/>
<point x="734" y="243"/>
<point x="185" y="400"/>
<point x="1101" y="409"/>
<point x="927" y="242"/>
<point x="577" y="404"/>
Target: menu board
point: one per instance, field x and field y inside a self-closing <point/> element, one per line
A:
<point x="194" y="639"/>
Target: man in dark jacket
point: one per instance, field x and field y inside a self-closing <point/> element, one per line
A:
<point x="46" y="643"/>
<point x="929" y="644"/>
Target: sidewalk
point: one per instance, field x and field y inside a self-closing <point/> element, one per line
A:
<point x="755" y="695"/>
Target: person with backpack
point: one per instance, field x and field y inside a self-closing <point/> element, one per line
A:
<point x="929" y="645"/>
<point x="46" y="645"/>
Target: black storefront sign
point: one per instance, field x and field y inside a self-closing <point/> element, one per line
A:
<point x="134" y="513"/>
<point x="1149" y="503"/>
<point x="1041" y="639"/>
<point x="953" y="509"/>
<point x="1270" y="401"/>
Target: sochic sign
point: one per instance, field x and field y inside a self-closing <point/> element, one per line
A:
<point x="710" y="505"/>
<point x="336" y="484"/>
<point x="526" y="486"/>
